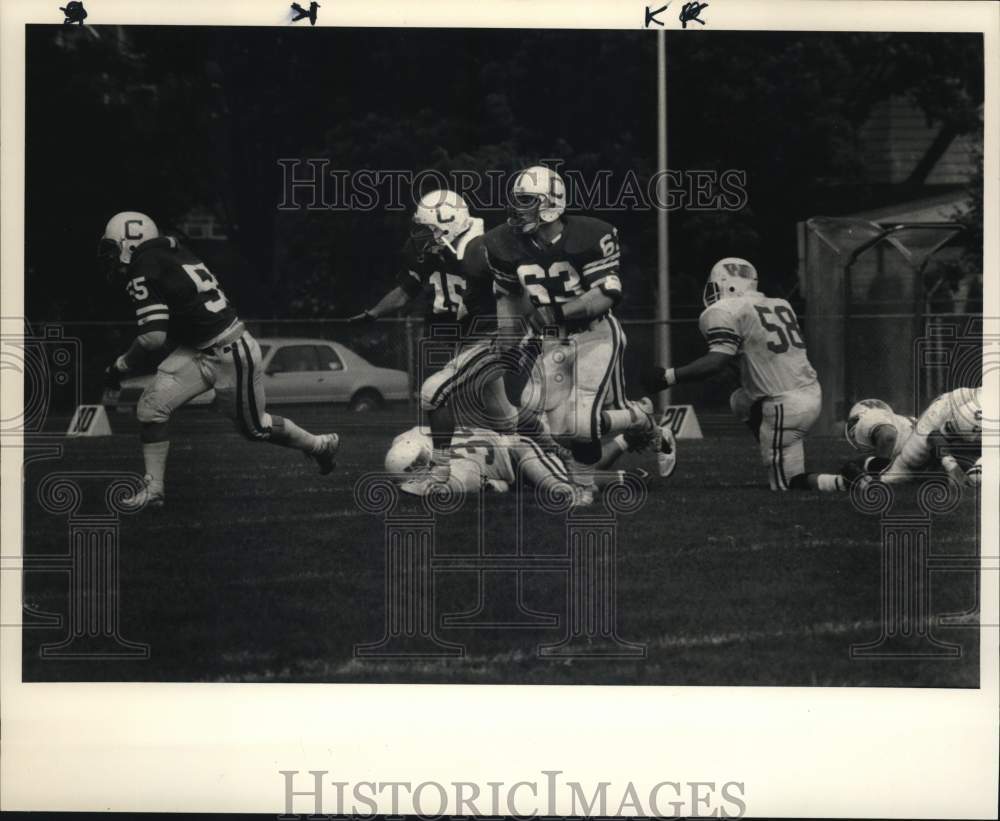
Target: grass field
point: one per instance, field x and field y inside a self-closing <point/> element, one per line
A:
<point x="261" y="570"/>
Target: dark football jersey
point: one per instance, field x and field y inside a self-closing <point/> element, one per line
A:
<point x="585" y="256"/>
<point x="440" y="269"/>
<point x="173" y="291"/>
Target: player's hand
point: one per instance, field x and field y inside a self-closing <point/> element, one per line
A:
<point x="364" y="318"/>
<point x="957" y="475"/>
<point x="549" y="315"/>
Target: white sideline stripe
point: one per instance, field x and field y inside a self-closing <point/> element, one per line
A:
<point x="869" y="627"/>
<point x="187" y="524"/>
<point x="826" y="628"/>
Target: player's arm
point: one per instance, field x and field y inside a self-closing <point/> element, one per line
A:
<point x="884" y="441"/>
<point x="478" y="297"/>
<point x="153" y="320"/>
<point x="409" y="286"/>
<point x="602" y="279"/>
<point x="724" y="343"/>
<point x="397" y="299"/>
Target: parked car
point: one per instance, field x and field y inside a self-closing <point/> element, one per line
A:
<point x="299" y="371"/>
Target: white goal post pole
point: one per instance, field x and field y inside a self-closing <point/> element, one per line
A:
<point x="663" y="266"/>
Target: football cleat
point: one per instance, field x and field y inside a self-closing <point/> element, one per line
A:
<point x="666" y="454"/>
<point x="582" y="497"/>
<point x="431" y="479"/>
<point x="327" y="456"/>
<point x="646" y="431"/>
<point x="147" y="498"/>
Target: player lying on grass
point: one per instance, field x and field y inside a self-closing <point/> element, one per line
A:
<point x="878" y="434"/>
<point x="882" y="437"/>
<point x="947" y="435"/>
<point x="445" y="252"/>
<point x="483" y="458"/>
<point x="180" y="306"/>
<point x="780" y="395"/>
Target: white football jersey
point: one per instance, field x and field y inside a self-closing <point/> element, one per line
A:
<point x="766" y="333"/>
<point x="875" y="418"/>
<point x="945" y="408"/>
<point x="485" y="448"/>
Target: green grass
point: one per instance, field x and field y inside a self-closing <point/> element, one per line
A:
<point x="261" y="570"/>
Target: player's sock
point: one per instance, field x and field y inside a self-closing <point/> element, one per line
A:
<point x="830" y="482"/>
<point x="154" y="454"/>
<point x="440" y="463"/>
<point x="620" y="421"/>
<point x="286" y="433"/>
<point x="581" y="474"/>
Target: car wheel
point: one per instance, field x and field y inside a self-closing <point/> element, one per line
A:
<point x="366" y="400"/>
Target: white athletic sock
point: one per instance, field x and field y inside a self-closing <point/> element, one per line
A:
<point x="154" y="454"/>
<point x="621" y="421"/>
<point x="581" y="474"/>
<point x="440" y="463"/>
<point x="830" y="482"/>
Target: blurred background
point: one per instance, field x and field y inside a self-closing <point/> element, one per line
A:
<point x="188" y="124"/>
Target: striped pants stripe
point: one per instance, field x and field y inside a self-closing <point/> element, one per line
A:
<point x="578" y="377"/>
<point x="472" y="368"/>
<point x="785" y="421"/>
<point x="235" y="374"/>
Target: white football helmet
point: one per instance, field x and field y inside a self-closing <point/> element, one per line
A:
<point x="729" y="277"/>
<point x="440" y="218"/>
<point x="858" y="410"/>
<point x="125" y="231"/>
<point x="538" y="196"/>
<point x="409" y="452"/>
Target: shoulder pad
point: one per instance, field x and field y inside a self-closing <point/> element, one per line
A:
<point x="583" y="232"/>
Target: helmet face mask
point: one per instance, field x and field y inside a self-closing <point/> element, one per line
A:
<point x="424" y="237"/>
<point x="440" y="218"/>
<point x="523" y="212"/>
<point x="537" y="197"/>
<point x="407" y="455"/>
<point x="858" y="410"/>
<point x="125" y="232"/>
<point x="108" y="259"/>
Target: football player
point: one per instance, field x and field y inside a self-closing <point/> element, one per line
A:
<point x="563" y="272"/>
<point x="948" y="433"/>
<point x="495" y="461"/>
<point x="179" y="302"/>
<point x="444" y="251"/>
<point x="780" y="395"/>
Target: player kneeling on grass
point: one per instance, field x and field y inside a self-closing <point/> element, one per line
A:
<point x="486" y="459"/>
<point x="179" y="303"/>
<point x="780" y="395"/>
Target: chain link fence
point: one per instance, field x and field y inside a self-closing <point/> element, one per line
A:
<point x="389" y="343"/>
